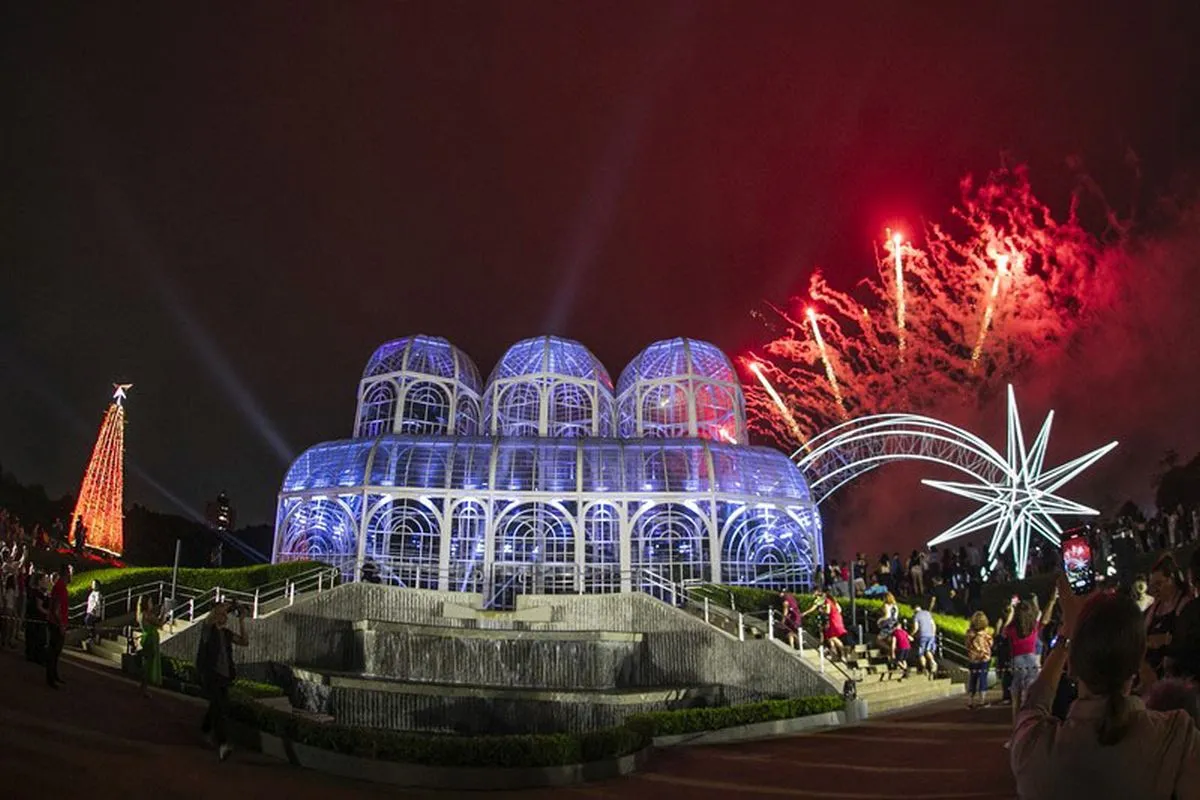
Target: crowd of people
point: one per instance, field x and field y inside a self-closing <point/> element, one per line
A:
<point x="1122" y="720"/>
<point x="33" y="608"/>
<point x="895" y="635"/>
<point x="963" y="572"/>
<point x="1106" y="686"/>
<point x="1166" y="530"/>
<point x="34" y="611"/>
<point x="952" y="579"/>
<point x="1126" y="712"/>
<point x="36" y="536"/>
<point x="1163" y="532"/>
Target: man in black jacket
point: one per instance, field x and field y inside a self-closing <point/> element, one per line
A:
<point x="214" y="663"/>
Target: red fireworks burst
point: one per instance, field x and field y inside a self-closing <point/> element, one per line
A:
<point x="1001" y="288"/>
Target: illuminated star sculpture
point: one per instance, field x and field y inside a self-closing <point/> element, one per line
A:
<point x="1025" y="502"/>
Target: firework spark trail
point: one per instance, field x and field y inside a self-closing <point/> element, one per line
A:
<point x="922" y="309"/>
<point x="829" y="373"/>
<point x="1001" y="265"/>
<point x="900" y="309"/>
<point x="756" y="368"/>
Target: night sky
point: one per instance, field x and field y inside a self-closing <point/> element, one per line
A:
<point x="230" y="205"/>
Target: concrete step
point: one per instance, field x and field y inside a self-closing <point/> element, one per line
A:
<point x="914" y="684"/>
<point x="869" y="651"/>
<point x="109" y="649"/>
<point x="880" y="705"/>
<point x="884" y="694"/>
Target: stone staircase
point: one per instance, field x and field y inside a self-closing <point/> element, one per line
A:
<point x="108" y="648"/>
<point x="884" y="691"/>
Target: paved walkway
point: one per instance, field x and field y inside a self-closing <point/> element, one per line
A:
<point x="97" y="737"/>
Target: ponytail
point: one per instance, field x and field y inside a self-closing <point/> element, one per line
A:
<point x="1116" y="720"/>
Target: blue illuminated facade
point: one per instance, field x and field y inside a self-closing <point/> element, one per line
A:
<point x="546" y="480"/>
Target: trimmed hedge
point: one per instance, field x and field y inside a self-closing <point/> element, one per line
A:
<point x="184" y="673"/>
<point x="695" y="720"/>
<point x="526" y="750"/>
<point x="522" y="750"/>
<point x="759" y="601"/>
<point x="241" y="579"/>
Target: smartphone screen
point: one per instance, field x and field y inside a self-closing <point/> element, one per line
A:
<point x="1077" y="564"/>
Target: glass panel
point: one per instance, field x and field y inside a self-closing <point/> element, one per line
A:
<point x="470" y="465"/>
<point x="403" y="537"/>
<point x="556" y="467"/>
<point x="329" y="465"/>
<point x="427" y="407"/>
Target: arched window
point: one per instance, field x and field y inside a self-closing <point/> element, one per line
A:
<point x="602" y="548"/>
<point x="427" y="409"/>
<point x="404" y="538"/>
<point x="670" y="540"/>
<point x="468" y="537"/>
<point x="378" y="410"/>
<point x="535" y="546"/>
<point x="766" y="547"/>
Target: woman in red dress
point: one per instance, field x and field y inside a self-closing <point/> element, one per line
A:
<point x="835" y="628"/>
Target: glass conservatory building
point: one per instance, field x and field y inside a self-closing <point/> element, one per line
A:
<point x="546" y="480"/>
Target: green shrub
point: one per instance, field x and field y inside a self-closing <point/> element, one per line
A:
<point x="181" y="670"/>
<point x="255" y="690"/>
<point x="524" y="750"/>
<point x="241" y="579"/>
<point x="527" y="750"/>
<point x="184" y="672"/>
<point x="694" y="720"/>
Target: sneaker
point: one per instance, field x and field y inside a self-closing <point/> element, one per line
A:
<point x="224" y="752"/>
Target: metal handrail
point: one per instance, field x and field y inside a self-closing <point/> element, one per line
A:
<point x="649" y="577"/>
<point x="763" y="625"/>
<point x="197" y="601"/>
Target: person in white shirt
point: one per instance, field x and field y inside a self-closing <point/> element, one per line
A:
<point x="94" y="612"/>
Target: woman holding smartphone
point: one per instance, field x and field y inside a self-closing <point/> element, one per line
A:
<point x="1021" y="627"/>
<point x="1110" y="745"/>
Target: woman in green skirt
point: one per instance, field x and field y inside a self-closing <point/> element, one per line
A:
<point x="149" y="621"/>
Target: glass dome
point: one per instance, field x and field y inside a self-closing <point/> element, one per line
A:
<point x="681" y="388"/>
<point x="567" y="515"/>
<point x="548" y="386"/>
<point x="419" y="385"/>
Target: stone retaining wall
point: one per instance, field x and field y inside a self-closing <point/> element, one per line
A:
<point x="676" y="650"/>
<point x="522" y="661"/>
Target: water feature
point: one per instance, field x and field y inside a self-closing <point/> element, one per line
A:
<point x="470" y="680"/>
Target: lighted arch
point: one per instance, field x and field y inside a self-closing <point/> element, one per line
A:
<point x="1017" y="495"/>
<point x="839" y="455"/>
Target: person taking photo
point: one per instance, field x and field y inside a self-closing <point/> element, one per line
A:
<point x="1110" y="745"/>
<point x="214" y="663"/>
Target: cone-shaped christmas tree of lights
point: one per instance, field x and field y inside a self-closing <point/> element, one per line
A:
<point x="101" y="498"/>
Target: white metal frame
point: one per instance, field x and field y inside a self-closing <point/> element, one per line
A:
<point x="1017" y="496"/>
<point x="618" y="509"/>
